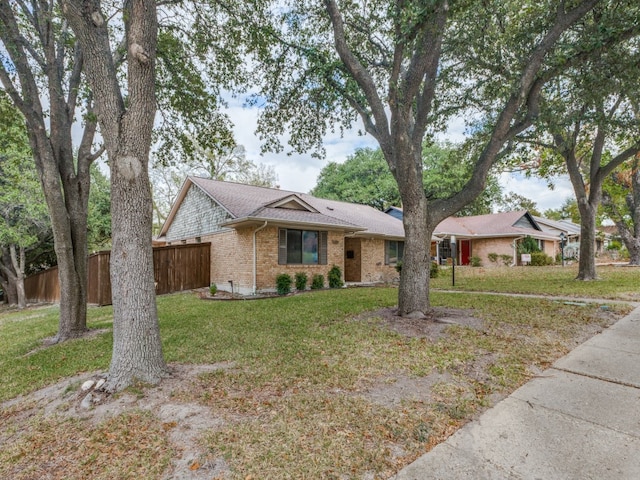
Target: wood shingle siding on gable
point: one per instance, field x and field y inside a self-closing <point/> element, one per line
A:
<point x="198" y="215"/>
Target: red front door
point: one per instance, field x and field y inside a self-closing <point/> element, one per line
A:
<point x="465" y="252"/>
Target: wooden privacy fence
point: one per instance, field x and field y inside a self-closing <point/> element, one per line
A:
<point x="175" y="268"/>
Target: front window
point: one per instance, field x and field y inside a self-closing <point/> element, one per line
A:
<point x="302" y="246"/>
<point x="306" y="247"/>
<point x="394" y="251"/>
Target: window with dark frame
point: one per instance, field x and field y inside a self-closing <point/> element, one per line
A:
<point x="302" y="247"/>
<point x="393" y="252"/>
<point x="445" y="248"/>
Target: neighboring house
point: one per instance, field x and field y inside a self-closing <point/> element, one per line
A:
<point x="572" y="231"/>
<point x="480" y="235"/>
<point x="500" y="233"/>
<point x="257" y="233"/>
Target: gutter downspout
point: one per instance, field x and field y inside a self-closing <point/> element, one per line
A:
<point x="255" y="256"/>
<point x="515" y="251"/>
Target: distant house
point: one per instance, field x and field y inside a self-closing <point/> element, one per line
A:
<point x="481" y="235"/>
<point x="572" y="232"/>
<point x="500" y="233"/>
<point x="257" y="233"/>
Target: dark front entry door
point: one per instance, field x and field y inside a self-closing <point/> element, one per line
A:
<point x="465" y="252"/>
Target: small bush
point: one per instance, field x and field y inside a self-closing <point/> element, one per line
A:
<point x="475" y="261"/>
<point x="434" y="271"/>
<point x="317" y="282"/>
<point x="399" y="267"/>
<point x="213" y="289"/>
<point x="493" y="257"/>
<point x="301" y="281"/>
<point x="506" y="259"/>
<point x="335" y="277"/>
<point x="283" y="284"/>
<point x="528" y="245"/>
<point x="614" y="245"/>
<point x="540" y="259"/>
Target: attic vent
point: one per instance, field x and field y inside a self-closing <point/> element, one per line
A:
<point x="329" y="208"/>
<point x="292" y="205"/>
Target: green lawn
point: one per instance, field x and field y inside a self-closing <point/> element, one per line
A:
<point x="616" y="282"/>
<point x="303" y="365"/>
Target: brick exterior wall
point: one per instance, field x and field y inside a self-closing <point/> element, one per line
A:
<point x="373" y="268"/>
<point x="232" y="259"/>
<point x="504" y="246"/>
<point x="198" y="215"/>
<point x="483" y="247"/>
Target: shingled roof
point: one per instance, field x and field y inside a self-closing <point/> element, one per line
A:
<point x="505" y="224"/>
<point x="251" y="205"/>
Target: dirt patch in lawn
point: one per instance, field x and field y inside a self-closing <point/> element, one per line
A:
<point x="181" y="424"/>
<point x="433" y="327"/>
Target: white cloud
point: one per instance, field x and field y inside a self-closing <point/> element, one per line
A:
<point x="538" y="190"/>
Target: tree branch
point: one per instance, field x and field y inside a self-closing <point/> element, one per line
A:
<point x="357" y="70"/>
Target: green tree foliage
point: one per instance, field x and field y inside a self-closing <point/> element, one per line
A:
<point x="365" y="178"/>
<point x="99" y="221"/>
<point x="567" y="211"/>
<point x="24" y="223"/>
<point x="621" y="203"/>
<point x="514" y="201"/>
<point x="586" y="122"/>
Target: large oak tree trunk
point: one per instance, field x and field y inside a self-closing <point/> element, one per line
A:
<point x="137" y="350"/>
<point x="587" y="261"/>
<point x="413" y="296"/>
<point x="68" y="210"/>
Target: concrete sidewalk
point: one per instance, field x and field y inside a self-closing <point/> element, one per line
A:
<point x="579" y="420"/>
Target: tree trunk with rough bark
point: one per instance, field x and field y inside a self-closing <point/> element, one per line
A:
<point x="137" y="350"/>
<point x="6" y="279"/>
<point x="587" y="261"/>
<point x="18" y="261"/>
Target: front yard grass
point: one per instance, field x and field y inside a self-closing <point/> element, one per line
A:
<point x="304" y="394"/>
<point x="616" y="282"/>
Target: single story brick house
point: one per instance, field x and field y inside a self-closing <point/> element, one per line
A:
<point x="500" y="233"/>
<point x="257" y="233"/>
<point x="481" y="235"/>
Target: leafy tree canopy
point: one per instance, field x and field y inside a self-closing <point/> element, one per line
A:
<point x="23" y="214"/>
<point x="365" y="178"/>
<point x="99" y="219"/>
<point x="568" y="211"/>
<point x="514" y="201"/>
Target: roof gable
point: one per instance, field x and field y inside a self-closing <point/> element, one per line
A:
<point x="527" y="221"/>
<point x="292" y="202"/>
